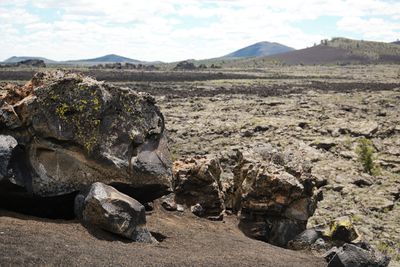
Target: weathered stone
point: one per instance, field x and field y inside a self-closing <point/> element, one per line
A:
<point x="76" y="131"/>
<point x="352" y="256"/>
<point x="362" y="181"/>
<point x="106" y="208"/>
<point x="197" y="181"/>
<point x="7" y="145"/>
<point x="180" y="208"/>
<point x="168" y="202"/>
<point x="304" y="240"/>
<point x="359" y="128"/>
<point x="197" y="210"/>
<point x="273" y="194"/>
<point x="325" y="144"/>
<point x="343" y="229"/>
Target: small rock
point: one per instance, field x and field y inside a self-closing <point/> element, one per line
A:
<point x="352" y="256"/>
<point x="304" y="240"/>
<point x="197" y="210"/>
<point x="362" y="181"/>
<point x="260" y="128"/>
<point x="180" y="208"/>
<point x="325" y="144"/>
<point x="246" y="133"/>
<point x="168" y="202"/>
<point x="105" y="207"/>
<point x="343" y="229"/>
<point x="304" y="125"/>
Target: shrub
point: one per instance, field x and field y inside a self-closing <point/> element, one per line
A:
<point x="365" y="151"/>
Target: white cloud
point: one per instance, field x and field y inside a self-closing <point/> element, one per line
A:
<point x="373" y="28"/>
<point x="160" y="30"/>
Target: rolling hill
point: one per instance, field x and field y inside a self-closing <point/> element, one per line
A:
<point x="112" y="58"/>
<point x="259" y="50"/>
<point x="16" y="59"/>
<point x="335" y="51"/>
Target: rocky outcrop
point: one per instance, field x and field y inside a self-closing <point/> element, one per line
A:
<point x="75" y="130"/>
<point x="185" y="65"/>
<point x="108" y="209"/>
<point x="340" y="244"/>
<point x="38" y="63"/>
<point x="274" y="194"/>
<point x="7" y="145"/>
<point x="196" y="183"/>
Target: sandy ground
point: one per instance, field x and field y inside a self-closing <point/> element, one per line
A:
<point x="186" y="241"/>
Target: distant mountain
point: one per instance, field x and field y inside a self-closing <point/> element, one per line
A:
<point x="112" y="58"/>
<point x="19" y="59"/>
<point x="92" y="61"/>
<point x="259" y="50"/>
<point x="335" y="51"/>
<point x="397" y="42"/>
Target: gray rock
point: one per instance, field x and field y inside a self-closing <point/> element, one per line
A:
<point x="362" y="181"/>
<point x="105" y="207"/>
<point x="197" y="210"/>
<point x="304" y="240"/>
<point x="352" y="256"/>
<point x="180" y="208"/>
<point x="77" y="131"/>
<point x="168" y="202"/>
<point x="7" y="145"/>
<point x="325" y="144"/>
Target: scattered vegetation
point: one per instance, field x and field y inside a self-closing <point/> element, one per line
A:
<point x="390" y="250"/>
<point x="369" y="49"/>
<point x="365" y="151"/>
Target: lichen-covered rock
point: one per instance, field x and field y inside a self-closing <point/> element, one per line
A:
<point x="342" y="229"/>
<point x="196" y="182"/>
<point x="76" y="131"/>
<point x="274" y="194"/>
<point x="106" y="208"/>
<point x="7" y="145"/>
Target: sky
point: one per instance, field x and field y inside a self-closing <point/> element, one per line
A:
<point x="172" y="30"/>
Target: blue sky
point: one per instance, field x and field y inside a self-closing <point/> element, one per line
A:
<point x="171" y="30"/>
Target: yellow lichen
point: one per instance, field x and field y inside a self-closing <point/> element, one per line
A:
<point x="61" y="110"/>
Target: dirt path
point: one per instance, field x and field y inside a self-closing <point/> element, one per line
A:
<point x="188" y="241"/>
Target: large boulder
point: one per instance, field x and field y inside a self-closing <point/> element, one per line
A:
<point x="274" y="195"/>
<point x="7" y="145"/>
<point x="105" y="207"/>
<point x="75" y="130"/>
<point x="196" y="183"/>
